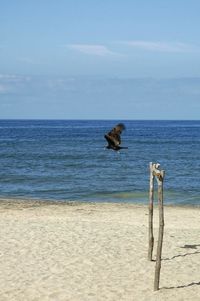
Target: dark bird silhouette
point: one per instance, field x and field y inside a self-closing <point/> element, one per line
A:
<point x="113" y="137"/>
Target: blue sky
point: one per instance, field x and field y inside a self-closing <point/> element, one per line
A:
<point x="108" y="59"/>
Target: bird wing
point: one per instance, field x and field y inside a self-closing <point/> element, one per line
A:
<point x="113" y="137"/>
<point x="110" y="140"/>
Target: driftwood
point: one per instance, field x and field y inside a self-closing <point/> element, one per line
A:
<point x="160" y="179"/>
<point x="155" y="172"/>
<point x="151" y="197"/>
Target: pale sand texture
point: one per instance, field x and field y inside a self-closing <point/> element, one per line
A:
<point x="83" y="252"/>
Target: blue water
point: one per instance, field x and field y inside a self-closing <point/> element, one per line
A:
<point x="66" y="160"/>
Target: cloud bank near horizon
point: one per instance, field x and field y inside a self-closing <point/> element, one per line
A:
<point x="143" y="45"/>
<point x="161" y="46"/>
<point x="93" y="49"/>
<point x="65" y="97"/>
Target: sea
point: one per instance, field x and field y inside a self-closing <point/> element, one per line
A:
<point x="66" y="160"/>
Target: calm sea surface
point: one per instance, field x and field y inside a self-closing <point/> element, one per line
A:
<point x="66" y="160"/>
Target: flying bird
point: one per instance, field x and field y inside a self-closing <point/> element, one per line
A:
<point x="113" y="137"/>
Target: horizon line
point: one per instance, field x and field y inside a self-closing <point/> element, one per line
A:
<point x="91" y="119"/>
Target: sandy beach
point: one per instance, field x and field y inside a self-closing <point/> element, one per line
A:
<point x="95" y="251"/>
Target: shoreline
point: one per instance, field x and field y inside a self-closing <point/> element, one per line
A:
<point x="35" y="201"/>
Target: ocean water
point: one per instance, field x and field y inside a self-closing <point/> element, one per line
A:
<point x="66" y="160"/>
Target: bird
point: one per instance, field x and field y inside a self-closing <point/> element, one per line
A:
<point x="113" y="137"/>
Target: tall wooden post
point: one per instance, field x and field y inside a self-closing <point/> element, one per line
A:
<point x="160" y="178"/>
<point x="151" y="197"/>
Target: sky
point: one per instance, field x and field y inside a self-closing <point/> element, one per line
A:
<point x="106" y="59"/>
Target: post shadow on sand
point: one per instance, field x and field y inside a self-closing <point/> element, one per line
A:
<point x="181" y="286"/>
<point x="183" y="255"/>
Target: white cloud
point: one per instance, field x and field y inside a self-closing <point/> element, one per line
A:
<point x="98" y="50"/>
<point x="11" y="78"/>
<point x="8" y="76"/>
<point x="161" y="46"/>
<point x="12" y="83"/>
<point x="26" y="60"/>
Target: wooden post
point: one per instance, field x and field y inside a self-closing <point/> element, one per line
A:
<point x="151" y="198"/>
<point x="160" y="177"/>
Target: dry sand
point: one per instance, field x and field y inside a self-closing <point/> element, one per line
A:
<point x="90" y="251"/>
